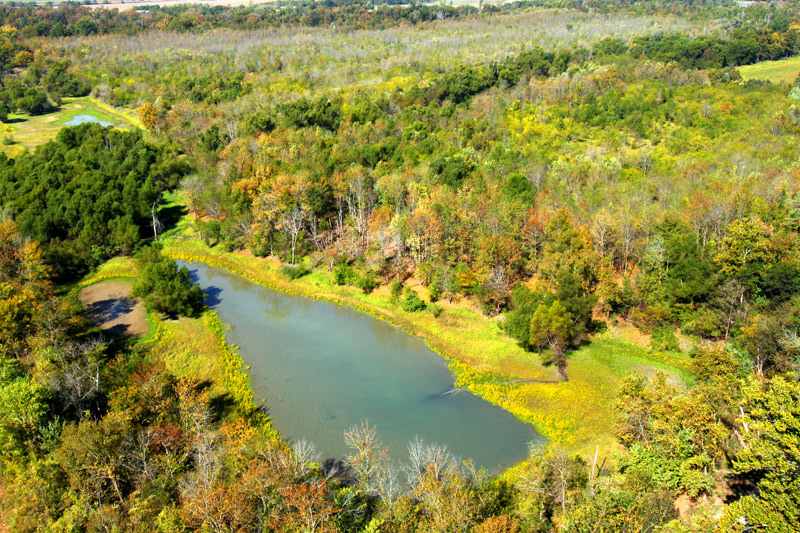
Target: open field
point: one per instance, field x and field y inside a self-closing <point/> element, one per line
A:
<point x="577" y="414"/>
<point x="28" y="131"/>
<point x="781" y="71"/>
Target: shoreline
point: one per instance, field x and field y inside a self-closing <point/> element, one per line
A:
<point x="461" y="370"/>
<point x="577" y="415"/>
<point x="233" y="374"/>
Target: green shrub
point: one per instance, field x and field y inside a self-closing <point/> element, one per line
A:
<point x="366" y="283"/>
<point x="704" y="322"/>
<point x="396" y="289"/>
<point x="343" y="274"/>
<point x="663" y="338"/>
<point x="164" y="287"/>
<point x="435" y="293"/>
<point x="437" y="310"/>
<point x="413" y="303"/>
<point x="294" y="272"/>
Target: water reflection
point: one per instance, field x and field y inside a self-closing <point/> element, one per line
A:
<point x="324" y="368"/>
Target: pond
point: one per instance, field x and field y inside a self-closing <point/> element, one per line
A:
<point x="84" y="119"/>
<point x="323" y="368"/>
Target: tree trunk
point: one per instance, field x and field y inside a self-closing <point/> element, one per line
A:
<point x="154" y="214"/>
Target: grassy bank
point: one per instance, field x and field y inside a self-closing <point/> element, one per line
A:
<point x="194" y="347"/>
<point x="577" y="414"/>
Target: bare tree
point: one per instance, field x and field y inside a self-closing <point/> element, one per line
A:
<point x="157" y="226"/>
<point x="369" y="462"/>
<point x="360" y="200"/>
<point x="292" y="222"/>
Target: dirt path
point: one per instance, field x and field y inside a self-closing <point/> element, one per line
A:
<point x="109" y="305"/>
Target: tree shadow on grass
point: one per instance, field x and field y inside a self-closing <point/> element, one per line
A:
<point x="222" y="405"/>
<point x="120" y="330"/>
<point x="110" y="308"/>
<point x="171" y="215"/>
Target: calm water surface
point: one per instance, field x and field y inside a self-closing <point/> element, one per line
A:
<point x="83" y="119"/>
<point x="322" y="368"/>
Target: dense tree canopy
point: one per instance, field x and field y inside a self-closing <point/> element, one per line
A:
<point x="88" y="194"/>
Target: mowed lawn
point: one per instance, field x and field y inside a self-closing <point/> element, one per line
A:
<point x="22" y="131"/>
<point x="783" y="70"/>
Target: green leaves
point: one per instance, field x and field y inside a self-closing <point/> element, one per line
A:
<point x="93" y="187"/>
<point x="771" y="438"/>
<point x="164" y="287"/>
<point x="22" y="408"/>
<point x="413" y="303"/>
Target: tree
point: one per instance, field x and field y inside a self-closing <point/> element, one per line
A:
<point x="95" y="457"/>
<point x="22" y="408"/>
<point x="360" y="198"/>
<point x="370" y="463"/>
<point x="577" y="302"/>
<point x="148" y="115"/>
<point x="771" y="424"/>
<point x="553" y="481"/>
<point x="308" y="506"/>
<point x="93" y="188"/>
<point x="447" y="489"/>
<point x="284" y="206"/>
<point x="762" y="336"/>
<point x="746" y="253"/>
<point x="164" y="287"/>
<point x="193" y="188"/>
<point x="551" y="327"/>
<point x="413" y="303"/>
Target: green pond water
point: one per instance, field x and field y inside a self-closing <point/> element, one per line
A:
<point x="322" y="368"/>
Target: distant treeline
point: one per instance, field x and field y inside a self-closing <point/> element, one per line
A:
<point x="72" y="19"/>
<point x="69" y="19"/>
<point x="744" y="46"/>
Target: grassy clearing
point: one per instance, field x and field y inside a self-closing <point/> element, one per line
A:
<point x="28" y="131"/>
<point x="188" y="347"/>
<point x="577" y="414"/>
<point x="781" y="71"/>
<point x="116" y="268"/>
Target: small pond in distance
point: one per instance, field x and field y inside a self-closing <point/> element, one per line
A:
<point x="83" y="119"/>
<point x="322" y="368"/>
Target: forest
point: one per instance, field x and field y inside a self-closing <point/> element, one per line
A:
<point x="540" y="190"/>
